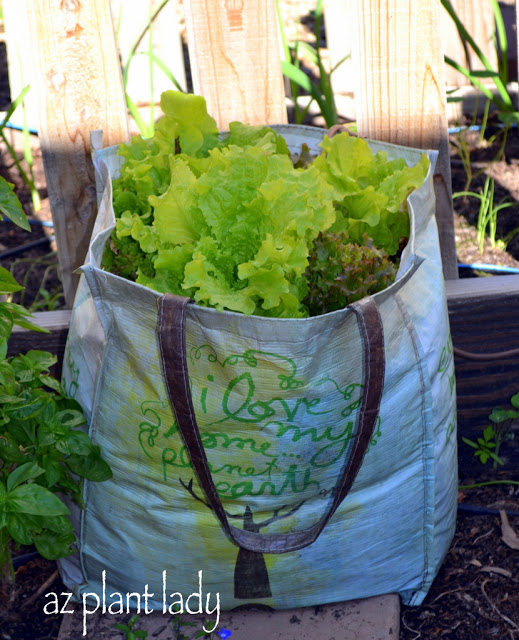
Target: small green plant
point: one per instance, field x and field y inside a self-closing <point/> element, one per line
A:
<point x="128" y="629"/>
<point x="485" y="447"/>
<point x="322" y="91"/>
<point x="465" y="141"/>
<point x="488" y="447"/>
<point x="488" y="213"/>
<point x="48" y="298"/>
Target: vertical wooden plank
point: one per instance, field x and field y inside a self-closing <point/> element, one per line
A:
<point x="235" y="60"/>
<point x="478" y="18"/>
<point x="340" y="34"/>
<point x="400" y="94"/>
<point x="79" y="89"/>
<point x="21" y="70"/>
<point x="131" y="18"/>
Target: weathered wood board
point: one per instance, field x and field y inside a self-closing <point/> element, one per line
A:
<point x="484" y="318"/>
<point x="235" y="60"/>
<point x="57" y="322"/>
<point x="79" y="89"/>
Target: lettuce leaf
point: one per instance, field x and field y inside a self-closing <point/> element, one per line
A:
<point x="232" y="213"/>
<point x="370" y="191"/>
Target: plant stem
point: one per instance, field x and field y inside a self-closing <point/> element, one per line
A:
<point x="6" y="562"/>
<point x="486" y="484"/>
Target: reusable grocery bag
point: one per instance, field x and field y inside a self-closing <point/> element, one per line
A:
<point x="282" y="462"/>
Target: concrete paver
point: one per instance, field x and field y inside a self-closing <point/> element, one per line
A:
<point x="376" y="618"/>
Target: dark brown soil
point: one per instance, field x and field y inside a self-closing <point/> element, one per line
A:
<point x="26" y="619"/>
<point x="476" y="593"/>
<point x="487" y="158"/>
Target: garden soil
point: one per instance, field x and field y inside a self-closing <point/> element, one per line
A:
<point x="476" y="594"/>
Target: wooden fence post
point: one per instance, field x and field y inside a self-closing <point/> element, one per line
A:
<point x="79" y="89"/>
<point x="400" y="95"/>
<point x="235" y="60"/>
<point x="21" y="70"/>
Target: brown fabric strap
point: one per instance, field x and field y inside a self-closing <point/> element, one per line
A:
<point x="172" y="340"/>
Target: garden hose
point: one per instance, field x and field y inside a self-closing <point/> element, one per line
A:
<point x="470" y="355"/>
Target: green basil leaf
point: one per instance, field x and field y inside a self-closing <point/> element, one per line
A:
<point x="53" y="472"/>
<point x="58" y="524"/>
<point x="52" y="546"/>
<point x="71" y="418"/>
<point x="3" y="348"/>
<point x="7" y="377"/>
<point x="74" y="442"/>
<point x="6" y="322"/>
<point x="32" y="405"/>
<point x="39" y="361"/>
<point x="7" y="282"/>
<point x="22" y="527"/>
<point x="24" y="472"/>
<point x="91" y="467"/>
<point x="48" y="433"/>
<point x="9" y="449"/>
<point x="33" y="499"/>
<point x="514" y="401"/>
<point x="8" y="399"/>
<point x="27" y="324"/>
<point x="501" y="415"/>
<point x="53" y="384"/>
<point x="10" y="205"/>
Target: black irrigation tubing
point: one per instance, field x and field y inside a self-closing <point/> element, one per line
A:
<point x="19" y="561"/>
<point x="26" y="247"/>
<point x="484" y="511"/>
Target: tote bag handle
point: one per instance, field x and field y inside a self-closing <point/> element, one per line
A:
<point x="172" y="340"/>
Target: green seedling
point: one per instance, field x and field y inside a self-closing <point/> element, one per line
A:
<point x="464" y="145"/>
<point x="488" y="213"/>
<point x="45" y="299"/>
<point x="488" y="447"/>
<point x="485" y="446"/>
<point x="128" y="629"/>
